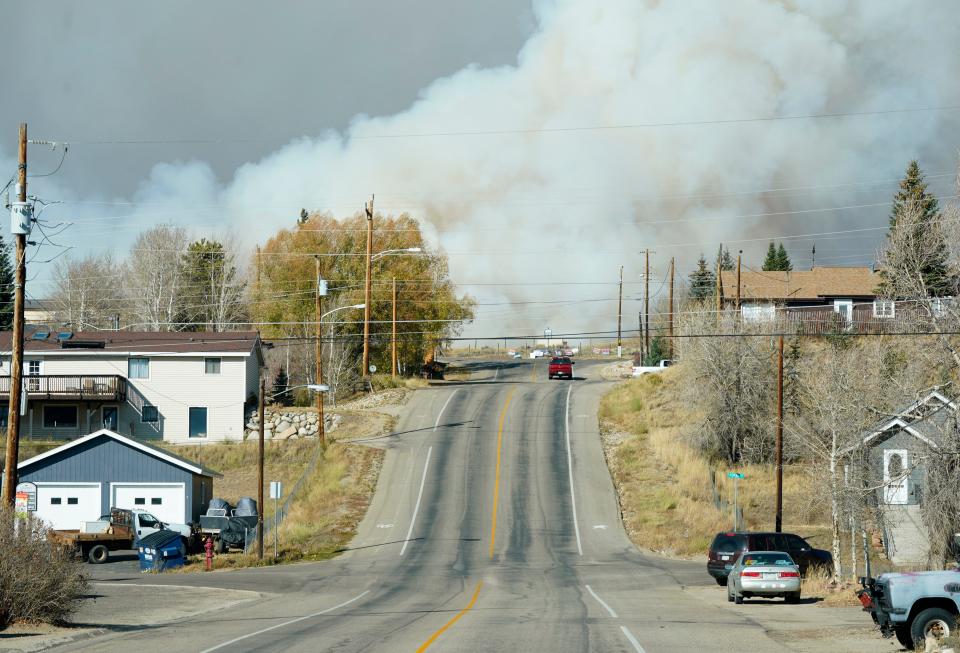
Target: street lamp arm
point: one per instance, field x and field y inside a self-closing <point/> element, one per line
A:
<point x="405" y="250"/>
<point x="316" y="387"/>
<point x="342" y="308"/>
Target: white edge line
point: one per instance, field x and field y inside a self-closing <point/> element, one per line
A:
<point x="632" y="639"/>
<point x="285" y="623"/>
<point x="435" y="426"/>
<point x="416" y="508"/>
<point x="601" y="602"/>
<point x="573" y="497"/>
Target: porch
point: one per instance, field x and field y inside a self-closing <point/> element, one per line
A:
<point x="84" y="387"/>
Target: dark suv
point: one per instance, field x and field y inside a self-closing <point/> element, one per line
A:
<point x="727" y="547"/>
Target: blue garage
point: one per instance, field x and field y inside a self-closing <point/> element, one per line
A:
<point x="83" y="479"/>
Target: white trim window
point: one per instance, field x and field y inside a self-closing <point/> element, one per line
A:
<point x="211" y="365"/>
<point x="138" y="368"/>
<point x="884" y="308"/>
<point x="60" y="416"/>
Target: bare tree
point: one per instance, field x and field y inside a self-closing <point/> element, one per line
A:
<point x="154" y="275"/>
<point x="86" y="291"/>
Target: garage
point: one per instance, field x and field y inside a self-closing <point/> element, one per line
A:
<point x="83" y="479"/>
<point x="62" y="504"/>
<point x="165" y="501"/>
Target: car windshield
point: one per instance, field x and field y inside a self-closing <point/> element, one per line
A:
<point x="767" y="560"/>
<point x="560" y="360"/>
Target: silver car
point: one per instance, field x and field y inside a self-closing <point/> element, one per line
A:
<point x="764" y="573"/>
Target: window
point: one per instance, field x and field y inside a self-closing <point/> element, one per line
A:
<point x="884" y="308"/>
<point x="139" y="501"/>
<point x="33" y="368"/>
<point x="55" y="501"/>
<point x="198" y="422"/>
<point x="211" y="365"/>
<point x="150" y="415"/>
<point x="72" y="501"/>
<point x="3" y="416"/>
<point x="60" y="417"/>
<point x="138" y="368"/>
<point x="156" y="501"/>
<point x="149" y="521"/>
<point x="797" y="543"/>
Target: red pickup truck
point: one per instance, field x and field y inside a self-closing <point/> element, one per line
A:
<point x="560" y="366"/>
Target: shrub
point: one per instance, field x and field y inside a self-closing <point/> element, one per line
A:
<point x="38" y="582"/>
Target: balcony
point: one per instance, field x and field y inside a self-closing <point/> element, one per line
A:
<point x="107" y="387"/>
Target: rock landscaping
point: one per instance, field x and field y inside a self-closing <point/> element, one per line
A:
<point x="290" y="423"/>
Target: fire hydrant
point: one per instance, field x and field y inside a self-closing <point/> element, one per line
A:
<point x="208" y="547"/>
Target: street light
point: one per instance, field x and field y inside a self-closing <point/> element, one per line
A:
<point x="342" y="308"/>
<point x="369" y="302"/>
<point x="316" y="387"/>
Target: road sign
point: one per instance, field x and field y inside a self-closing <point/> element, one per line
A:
<point x="373" y="368"/>
<point x="276" y="489"/>
<point x="735" y="475"/>
<point x="26" y="500"/>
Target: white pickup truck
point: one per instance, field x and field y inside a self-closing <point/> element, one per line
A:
<point x="913" y="606"/>
<point x="120" y="530"/>
<point x="640" y="370"/>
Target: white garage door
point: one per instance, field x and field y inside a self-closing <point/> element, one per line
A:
<point x="65" y="505"/>
<point x="165" y="501"/>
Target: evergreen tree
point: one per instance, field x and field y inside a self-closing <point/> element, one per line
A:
<point x="6" y="287"/>
<point x="280" y="383"/>
<point x="658" y="351"/>
<point x="770" y="262"/>
<point x="724" y="260"/>
<point x="783" y="261"/>
<point x="702" y="281"/>
<point x="916" y="209"/>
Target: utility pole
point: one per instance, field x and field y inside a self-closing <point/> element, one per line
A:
<point x="16" y="345"/>
<point x="260" y="427"/>
<point x="393" y="335"/>
<point x="619" y="318"/>
<point x="365" y="372"/>
<point x="739" y="256"/>
<point x="719" y="291"/>
<point x="779" y="524"/>
<point x="321" y="291"/>
<point x="670" y="313"/>
<point x="646" y="304"/>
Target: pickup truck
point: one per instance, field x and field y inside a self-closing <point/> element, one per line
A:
<point x="640" y="370"/>
<point x="117" y="531"/>
<point x="913" y="606"/>
<point x="559" y="367"/>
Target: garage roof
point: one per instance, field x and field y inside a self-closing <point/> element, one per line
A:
<point x="156" y="452"/>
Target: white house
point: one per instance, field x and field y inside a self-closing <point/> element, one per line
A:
<point x="179" y="387"/>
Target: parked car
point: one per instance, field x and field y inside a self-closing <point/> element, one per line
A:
<point x="560" y="367"/>
<point x="764" y="573"/>
<point x="537" y="353"/>
<point x="913" y="605"/>
<point x="726" y="549"/>
<point x="640" y="370"/>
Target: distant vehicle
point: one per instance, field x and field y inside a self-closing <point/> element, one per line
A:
<point x="913" y="605"/>
<point x="726" y="549"/>
<point x="764" y="573"/>
<point x="516" y="354"/>
<point x="560" y="367"/>
<point x="640" y="370"/>
<point x="569" y="352"/>
<point x="537" y="353"/>
<point x="117" y="531"/>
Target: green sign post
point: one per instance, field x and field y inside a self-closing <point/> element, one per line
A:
<point x="736" y="476"/>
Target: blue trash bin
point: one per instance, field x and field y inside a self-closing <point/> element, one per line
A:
<point x="161" y="551"/>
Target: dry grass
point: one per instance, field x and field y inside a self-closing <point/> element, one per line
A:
<point x="665" y="485"/>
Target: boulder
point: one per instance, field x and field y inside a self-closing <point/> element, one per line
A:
<point x="287" y="434"/>
<point x="283" y="426"/>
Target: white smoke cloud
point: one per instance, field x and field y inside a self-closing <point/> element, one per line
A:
<point x="537" y="205"/>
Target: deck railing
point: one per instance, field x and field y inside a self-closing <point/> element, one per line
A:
<point x="100" y="387"/>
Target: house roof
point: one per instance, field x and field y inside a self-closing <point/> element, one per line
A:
<point x="802" y="285"/>
<point x="924" y="419"/>
<point x="114" y="342"/>
<point x="156" y="452"/>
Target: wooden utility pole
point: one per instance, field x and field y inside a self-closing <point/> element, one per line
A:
<point x="779" y="524"/>
<point x="321" y="427"/>
<point x="646" y="304"/>
<point x="670" y="310"/>
<point x="16" y="346"/>
<point x="619" y="318"/>
<point x="719" y="291"/>
<point x="393" y="334"/>
<point x="365" y="372"/>
<point x="260" y="504"/>
<point x="739" y="257"/>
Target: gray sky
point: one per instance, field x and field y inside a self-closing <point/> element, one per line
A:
<point x="225" y="69"/>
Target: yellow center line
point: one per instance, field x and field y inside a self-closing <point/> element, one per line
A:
<point x="457" y="616"/>
<point x="496" y="483"/>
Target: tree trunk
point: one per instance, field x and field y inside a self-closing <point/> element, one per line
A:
<point x="835" y="515"/>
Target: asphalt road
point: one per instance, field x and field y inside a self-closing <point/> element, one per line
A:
<point x="495" y="527"/>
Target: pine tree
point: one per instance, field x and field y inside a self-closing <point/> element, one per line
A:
<point x="281" y="383"/>
<point x="658" y="351"/>
<point x="770" y="263"/>
<point x="913" y="192"/>
<point x="724" y="260"/>
<point x="702" y="281"/>
<point x="6" y="287"/>
<point x="783" y="261"/>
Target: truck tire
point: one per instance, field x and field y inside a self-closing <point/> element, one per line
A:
<point x="902" y="632"/>
<point x="98" y="554"/>
<point x="932" y="621"/>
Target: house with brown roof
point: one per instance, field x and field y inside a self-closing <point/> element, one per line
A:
<point x="849" y="293"/>
<point x="178" y="387"/>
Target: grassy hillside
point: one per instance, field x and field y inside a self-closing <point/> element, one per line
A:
<point x="669" y="503"/>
